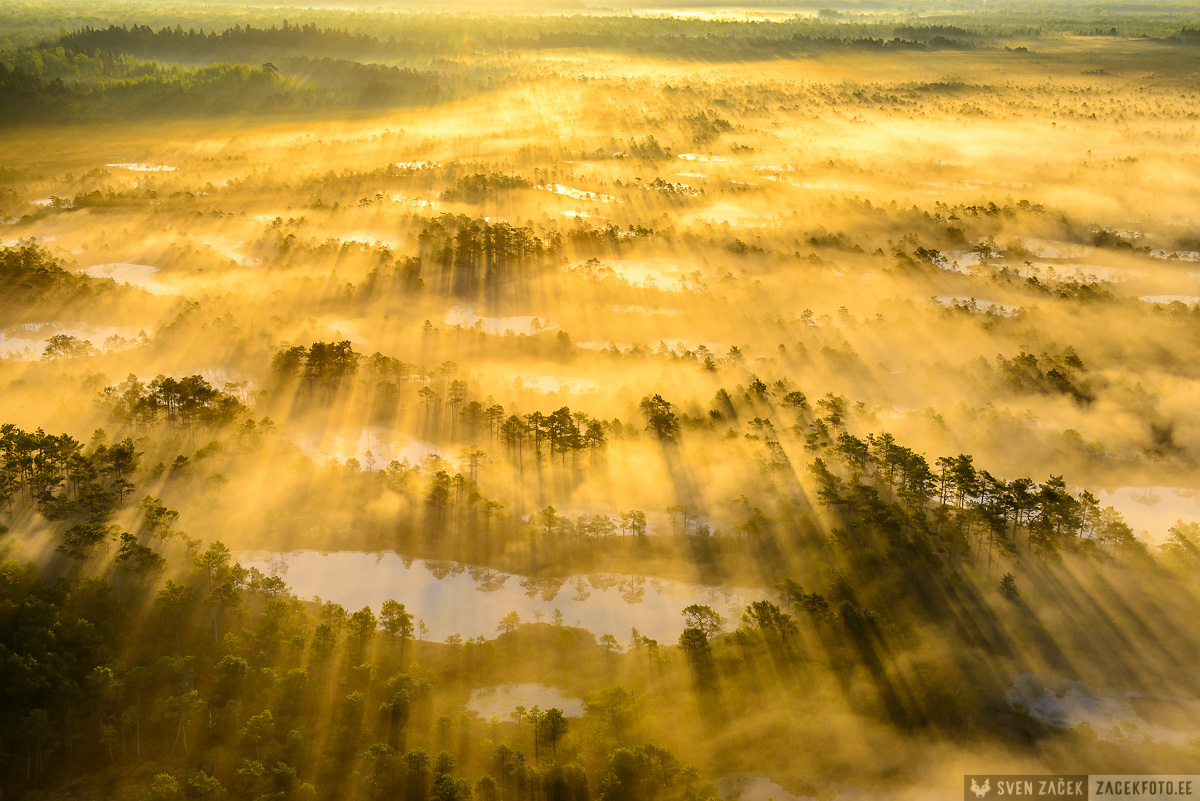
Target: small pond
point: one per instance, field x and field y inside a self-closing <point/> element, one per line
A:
<point x="453" y="598"/>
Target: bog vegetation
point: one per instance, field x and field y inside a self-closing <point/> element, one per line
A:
<point x="787" y="400"/>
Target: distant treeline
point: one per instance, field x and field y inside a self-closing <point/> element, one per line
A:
<point x="27" y="97"/>
<point x="177" y="43"/>
<point x="299" y="82"/>
<point x="448" y="31"/>
<point x="119" y="73"/>
<point x="445" y="35"/>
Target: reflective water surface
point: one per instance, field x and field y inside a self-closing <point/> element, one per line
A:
<point x="453" y="598"/>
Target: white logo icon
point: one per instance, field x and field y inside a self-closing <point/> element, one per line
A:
<point x="980" y="790"/>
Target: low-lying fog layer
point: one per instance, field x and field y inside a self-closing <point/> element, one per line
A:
<point x="671" y="404"/>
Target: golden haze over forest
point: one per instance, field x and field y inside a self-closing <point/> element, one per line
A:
<point x="725" y="401"/>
